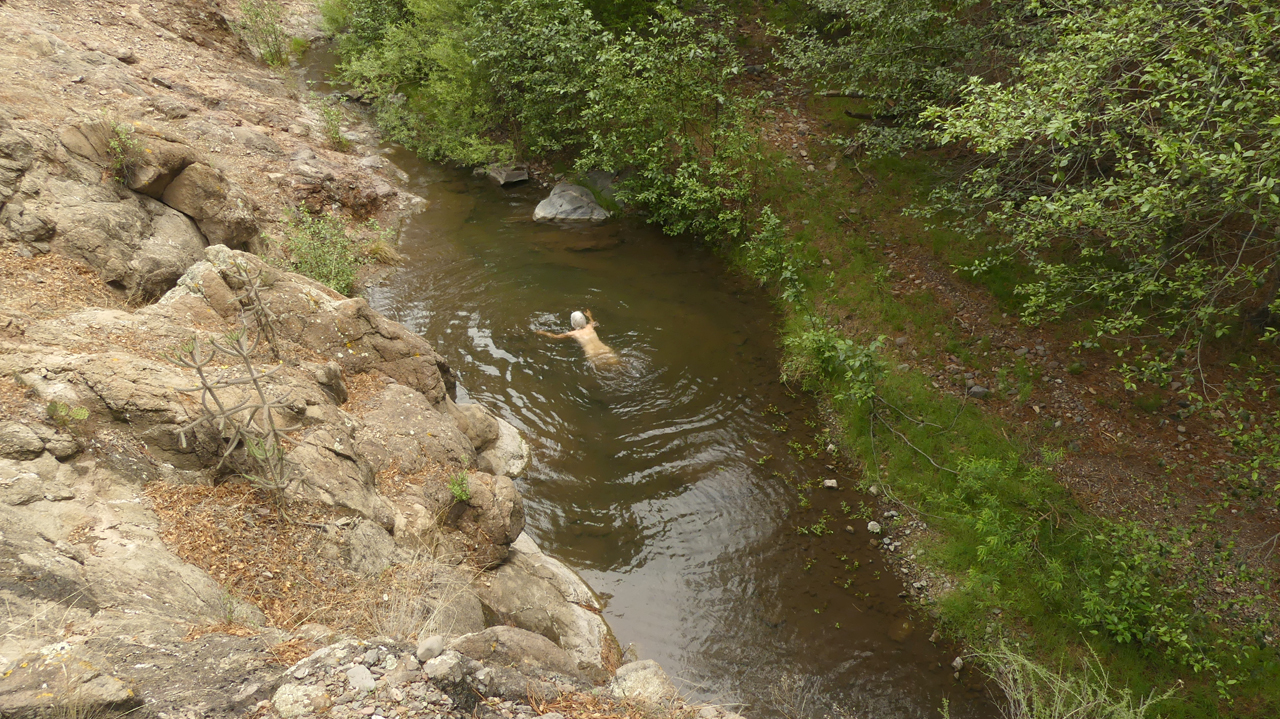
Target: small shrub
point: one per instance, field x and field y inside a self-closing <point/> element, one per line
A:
<point x="320" y="247"/>
<point x="331" y="118"/>
<point x="254" y="423"/>
<point x="459" y="487"/>
<point x="260" y="27"/>
<point x="124" y="150"/>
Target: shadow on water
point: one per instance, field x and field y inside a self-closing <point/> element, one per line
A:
<point x="667" y="481"/>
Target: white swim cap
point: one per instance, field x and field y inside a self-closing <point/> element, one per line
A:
<point x="578" y="320"/>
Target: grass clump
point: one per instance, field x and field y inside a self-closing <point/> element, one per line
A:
<point x="1034" y="691"/>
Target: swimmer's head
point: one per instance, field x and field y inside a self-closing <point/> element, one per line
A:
<point x="578" y="320"/>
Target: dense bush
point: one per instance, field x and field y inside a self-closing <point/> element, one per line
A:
<point x="1129" y="152"/>
<point x="476" y="81"/>
<point x="903" y="56"/>
<point x="321" y="247"/>
<point x="1134" y="164"/>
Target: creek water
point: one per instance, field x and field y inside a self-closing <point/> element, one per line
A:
<point x="670" y="481"/>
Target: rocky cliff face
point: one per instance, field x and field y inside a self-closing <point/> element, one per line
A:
<point x="158" y="554"/>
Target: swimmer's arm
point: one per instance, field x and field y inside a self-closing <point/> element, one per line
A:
<point x="593" y="320"/>
<point x="544" y="333"/>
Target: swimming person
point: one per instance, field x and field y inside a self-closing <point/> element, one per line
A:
<point x="584" y="331"/>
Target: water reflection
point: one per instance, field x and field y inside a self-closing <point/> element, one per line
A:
<point x="667" y="480"/>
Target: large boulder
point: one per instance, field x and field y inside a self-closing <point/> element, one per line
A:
<point x="16" y="157"/>
<point x="133" y="241"/>
<point x="327" y="466"/>
<point x="221" y="209"/>
<point x="159" y="162"/>
<point x="539" y="593"/>
<point x="402" y="426"/>
<point x="482" y="520"/>
<point x="569" y="202"/>
<point x="499" y="447"/>
<point x="320" y="320"/>
<point x="508" y="454"/>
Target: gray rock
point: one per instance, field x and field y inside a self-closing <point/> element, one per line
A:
<point x="369" y="549"/>
<point x="256" y="140"/>
<point x="430" y="647"/>
<point x="957" y="663"/>
<point x="830" y="484"/>
<point x="507" y="174"/>
<point x="977" y="391"/>
<point x="536" y="592"/>
<point x="476" y="422"/>
<point x="293" y="700"/>
<point x="401" y="425"/>
<point x="361" y="679"/>
<point x="519" y="649"/>
<point x="507" y="455"/>
<point x="643" y="681"/>
<point x="569" y="202"/>
<point x="873" y="527"/>
<point x="19" y="441"/>
<point x="448" y="667"/>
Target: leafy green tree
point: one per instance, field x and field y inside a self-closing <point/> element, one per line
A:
<point x="1133" y="163"/>
<point x="902" y="56"/>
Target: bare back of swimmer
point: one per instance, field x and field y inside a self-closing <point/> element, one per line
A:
<point x="584" y="331"/>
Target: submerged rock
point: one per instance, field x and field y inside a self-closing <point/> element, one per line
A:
<point x="507" y="174"/>
<point x="569" y="202"/>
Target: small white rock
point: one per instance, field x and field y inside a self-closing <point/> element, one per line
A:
<point x="873" y="527"/>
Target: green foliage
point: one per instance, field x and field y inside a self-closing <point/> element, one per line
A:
<point x="260" y="27"/>
<point x="63" y="414"/>
<point x="331" y="123"/>
<point x="479" y="81"/>
<point x="902" y="56"/>
<point x="541" y="59"/>
<point x="1253" y="433"/>
<point x="124" y="150"/>
<point x="1133" y="163"/>
<point x="321" y="247"/>
<point x="413" y="59"/>
<point x="659" y="103"/>
<point x="459" y="487"/>
<point x="835" y="361"/>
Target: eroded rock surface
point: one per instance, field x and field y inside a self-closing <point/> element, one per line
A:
<point x="144" y="143"/>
